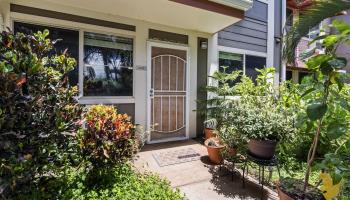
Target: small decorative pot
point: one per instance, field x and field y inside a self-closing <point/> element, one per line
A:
<point x="282" y="195"/>
<point x="214" y="152"/>
<point x="264" y="149"/>
<point x="209" y="133"/>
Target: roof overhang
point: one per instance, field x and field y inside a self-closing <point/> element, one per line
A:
<point x="208" y="16"/>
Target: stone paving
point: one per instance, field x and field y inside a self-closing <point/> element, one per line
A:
<point x="199" y="179"/>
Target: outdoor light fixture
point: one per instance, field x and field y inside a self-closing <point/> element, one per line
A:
<point x="204" y="45"/>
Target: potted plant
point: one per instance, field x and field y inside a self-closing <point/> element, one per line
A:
<point x="214" y="147"/>
<point x="259" y="117"/>
<point x="210" y="128"/>
<point x="214" y="107"/>
<point x="323" y="97"/>
<point x="230" y="138"/>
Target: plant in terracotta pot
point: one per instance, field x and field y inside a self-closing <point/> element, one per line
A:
<point x="322" y="104"/>
<point x="210" y="128"/>
<point x="231" y="139"/>
<point x="214" y="147"/>
<point x="259" y="116"/>
<point x="214" y="108"/>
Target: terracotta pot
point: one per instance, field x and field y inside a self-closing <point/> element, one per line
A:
<point x="232" y="151"/>
<point x="282" y="195"/>
<point x="209" y="133"/>
<point x="264" y="149"/>
<point x="214" y="152"/>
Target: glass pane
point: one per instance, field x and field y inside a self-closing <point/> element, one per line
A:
<point x="289" y="75"/>
<point x="252" y="63"/>
<point x="232" y="61"/>
<point x="108" y="62"/>
<point x="69" y="40"/>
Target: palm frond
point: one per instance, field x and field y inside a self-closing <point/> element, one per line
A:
<point x="322" y="9"/>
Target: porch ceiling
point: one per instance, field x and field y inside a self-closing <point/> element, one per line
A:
<point x="198" y="15"/>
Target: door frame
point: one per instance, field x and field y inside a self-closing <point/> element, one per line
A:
<point x="160" y="44"/>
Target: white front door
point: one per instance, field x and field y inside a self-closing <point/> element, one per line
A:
<point x="167" y="73"/>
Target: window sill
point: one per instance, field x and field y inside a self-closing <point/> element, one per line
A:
<point x="106" y="100"/>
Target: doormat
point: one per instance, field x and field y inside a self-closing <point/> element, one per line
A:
<point x="173" y="157"/>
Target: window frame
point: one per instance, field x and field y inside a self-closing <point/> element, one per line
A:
<point x="241" y="52"/>
<point x="82" y="28"/>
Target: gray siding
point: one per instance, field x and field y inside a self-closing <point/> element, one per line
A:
<point x="249" y="33"/>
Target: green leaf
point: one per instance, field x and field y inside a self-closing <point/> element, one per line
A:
<point x="338" y="63"/>
<point x="315" y="62"/>
<point x="316" y="110"/>
<point x="336" y="130"/>
<point x="330" y="40"/>
<point x="344" y="104"/>
<point x="326" y="68"/>
<point x="308" y="92"/>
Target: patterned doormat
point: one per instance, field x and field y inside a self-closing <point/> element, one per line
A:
<point x="173" y="157"/>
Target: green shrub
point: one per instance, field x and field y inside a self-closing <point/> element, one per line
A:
<point x="38" y="113"/>
<point x="119" y="183"/>
<point x="108" y="137"/>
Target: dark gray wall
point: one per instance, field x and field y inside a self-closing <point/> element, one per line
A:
<point x="249" y="33"/>
<point x="202" y="63"/>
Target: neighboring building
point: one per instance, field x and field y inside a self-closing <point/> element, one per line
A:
<point x="150" y="58"/>
<point x="297" y="71"/>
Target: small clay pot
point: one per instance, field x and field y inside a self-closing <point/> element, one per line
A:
<point x="264" y="149"/>
<point x="209" y="133"/>
<point x="282" y="195"/>
<point x="214" y="152"/>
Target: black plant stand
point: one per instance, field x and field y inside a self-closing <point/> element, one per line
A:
<point x="262" y="163"/>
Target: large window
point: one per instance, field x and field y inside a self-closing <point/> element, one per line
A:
<point x="69" y="41"/>
<point x="245" y="63"/>
<point x="108" y="62"/>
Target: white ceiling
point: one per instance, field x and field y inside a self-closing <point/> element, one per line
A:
<point x="163" y="12"/>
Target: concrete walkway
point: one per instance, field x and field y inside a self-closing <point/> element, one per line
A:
<point x="199" y="180"/>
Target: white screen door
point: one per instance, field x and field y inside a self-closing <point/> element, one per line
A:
<point x="167" y="93"/>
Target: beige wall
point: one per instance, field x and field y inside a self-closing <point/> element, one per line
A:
<point x="140" y="50"/>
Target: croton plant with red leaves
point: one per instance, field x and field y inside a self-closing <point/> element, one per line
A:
<point x="108" y="137"/>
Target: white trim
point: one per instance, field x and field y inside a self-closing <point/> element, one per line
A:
<point x="151" y="44"/>
<point x="283" y="21"/>
<point x="270" y="34"/>
<point x="264" y="1"/>
<point x="240" y="4"/>
<point x="242" y="51"/>
<point x="106" y="100"/>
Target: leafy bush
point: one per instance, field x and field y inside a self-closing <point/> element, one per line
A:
<point x="108" y="138"/>
<point x="38" y="113"/>
<point x="120" y="182"/>
<point x="260" y="113"/>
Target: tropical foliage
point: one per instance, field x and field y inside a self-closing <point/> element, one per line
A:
<point x="108" y="137"/>
<point x="44" y="152"/>
<point x="39" y="113"/>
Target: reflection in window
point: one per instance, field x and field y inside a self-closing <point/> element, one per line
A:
<point x="108" y="62"/>
<point x="231" y="62"/>
<point x="69" y="39"/>
<point x="251" y="64"/>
